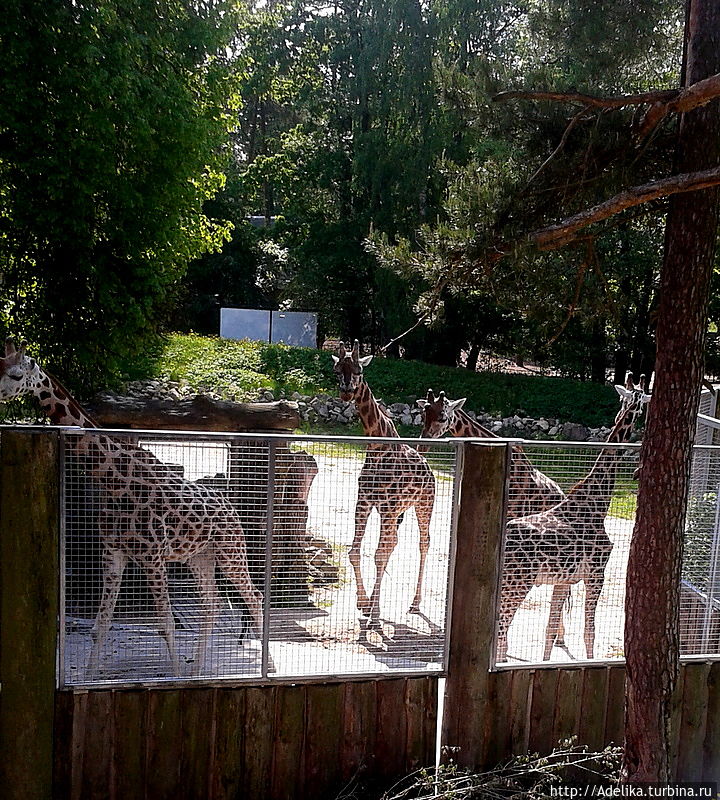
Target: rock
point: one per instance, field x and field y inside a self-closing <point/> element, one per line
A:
<point x="573" y="432"/>
<point x="543" y="425"/>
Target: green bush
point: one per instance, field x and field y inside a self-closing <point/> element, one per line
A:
<point x="699" y="527"/>
<point x="241" y="369"/>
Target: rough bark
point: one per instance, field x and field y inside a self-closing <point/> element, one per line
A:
<point x="199" y="413"/>
<point x="651" y="629"/>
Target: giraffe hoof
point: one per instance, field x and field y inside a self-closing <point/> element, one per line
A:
<point x="414" y="608"/>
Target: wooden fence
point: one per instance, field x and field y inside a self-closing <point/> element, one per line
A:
<point x="292" y="741"/>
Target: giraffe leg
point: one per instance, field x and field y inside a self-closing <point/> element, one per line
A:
<point x="387" y="543"/>
<point x="156" y="572"/>
<point x="511" y="598"/>
<point x="362" y="512"/>
<point x="232" y="560"/>
<point x="593" y="587"/>
<point x="423" y="513"/>
<point x="203" y="570"/>
<point x="555" y="631"/>
<point x="113" y="566"/>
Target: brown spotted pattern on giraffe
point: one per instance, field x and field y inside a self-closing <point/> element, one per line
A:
<point x="393" y="479"/>
<point x="139" y="495"/>
<point x="568" y="543"/>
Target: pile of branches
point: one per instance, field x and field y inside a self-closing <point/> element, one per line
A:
<point x="526" y="777"/>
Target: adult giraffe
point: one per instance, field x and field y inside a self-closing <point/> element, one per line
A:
<point x="393" y="479"/>
<point x="568" y="543"/>
<point x="148" y="514"/>
<point x="530" y="490"/>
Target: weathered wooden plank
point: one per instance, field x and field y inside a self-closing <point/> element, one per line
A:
<point x="323" y="740"/>
<point x="591" y="727"/>
<point x="359" y="729"/>
<point x="711" y="743"/>
<point x="129" y="738"/>
<point x="80" y="705"/>
<point x="391" y="735"/>
<point x="615" y="715"/>
<point x="479" y="539"/>
<point x="229" y="767"/>
<point x="259" y="738"/>
<point x="675" y="716"/>
<point x="421" y="722"/>
<point x="29" y="533"/>
<point x="164" y="745"/>
<point x="288" y="756"/>
<point x="497" y="718"/>
<point x="62" y="752"/>
<point x="567" y="704"/>
<point x="542" y="705"/>
<point x="97" y="775"/>
<point x="520" y="711"/>
<point x="693" y="721"/>
<point x="197" y="712"/>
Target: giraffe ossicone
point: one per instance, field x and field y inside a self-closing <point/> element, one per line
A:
<point x="393" y="479"/>
<point x="148" y="515"/>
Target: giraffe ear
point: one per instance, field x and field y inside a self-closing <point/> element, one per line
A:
<point x="341" y="350"/>
<point x="365" y="360"/>
<point x="622" y="391"/>
<point x="422" y="403"/>
<point x="456" y="405"/>
<point x="9" y="347"/>
<point x="629" y="381"/>
<point x="335" y="358"/>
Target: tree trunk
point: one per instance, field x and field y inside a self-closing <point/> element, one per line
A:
<point x="654" y="566"/>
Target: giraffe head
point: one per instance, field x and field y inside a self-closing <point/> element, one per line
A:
<point x="19" y="374"/>
<point x="633" y="400"/>
<point x="438" y="414"/>
<point x="348" y="369"/>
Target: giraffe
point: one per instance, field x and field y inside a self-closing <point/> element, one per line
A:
<point x="530" y="490"/>
<point x="149" y="515"/>
<point x="568" y="543"/>
<point x="393" y="478"/>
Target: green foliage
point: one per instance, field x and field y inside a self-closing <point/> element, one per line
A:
<point x="699" y="529"/>
<point x="114" y="116"/>
<point x="240" y="369"/>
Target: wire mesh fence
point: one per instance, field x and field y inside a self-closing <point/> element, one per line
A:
<point x="244" y="557"/>
<point x="570" y="516"/>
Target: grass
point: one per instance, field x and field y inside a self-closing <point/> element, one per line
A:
<point x="241" y="370"/>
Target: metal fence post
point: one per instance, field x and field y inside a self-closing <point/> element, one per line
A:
<point x="29" y="575"/>
<point x="475" y="589"/>
<point x="269" y="525"/>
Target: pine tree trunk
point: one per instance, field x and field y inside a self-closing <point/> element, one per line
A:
<point x="654" y="566"/>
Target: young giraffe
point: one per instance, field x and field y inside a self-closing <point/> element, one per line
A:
<point x="568" y="543"/>
<point x="148" y="515"/>
<point x="393" y="478"/>
<point x="530" y="490"/>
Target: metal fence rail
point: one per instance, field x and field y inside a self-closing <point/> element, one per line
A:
<point x="562" y="587"/>
<point x="191" y="556"/>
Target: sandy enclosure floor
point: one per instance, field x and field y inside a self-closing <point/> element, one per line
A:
<point x="328" y="636"/>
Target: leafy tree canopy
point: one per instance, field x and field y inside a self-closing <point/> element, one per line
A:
<point x="115" y="116"/>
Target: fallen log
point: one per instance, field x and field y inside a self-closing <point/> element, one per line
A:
<point x="198" y="413"/>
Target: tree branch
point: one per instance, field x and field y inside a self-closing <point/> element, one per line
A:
<point x="659" y="96"/>
<point x="554" y="236"/>
<point x="662" y="102"/>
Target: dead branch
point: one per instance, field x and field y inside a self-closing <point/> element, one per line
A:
<point x="573" y="122"/>
<point x="579" y="280"/>
<point x="554" y="236"/>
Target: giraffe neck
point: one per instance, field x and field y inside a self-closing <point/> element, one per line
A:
<point x="600" y="481"/>
<point x="374" y="420"/>
<point x="464" y="425"/>
<point x="59" y="405"/>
